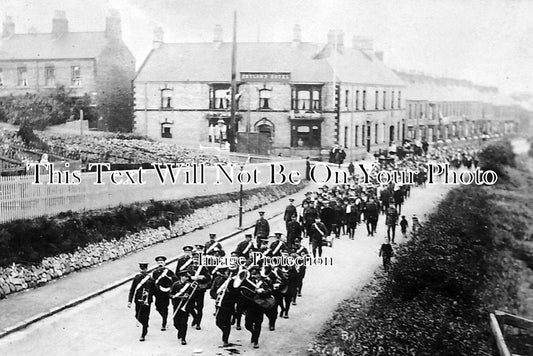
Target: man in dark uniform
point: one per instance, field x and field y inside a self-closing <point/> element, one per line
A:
<point x="290" y="210"/>
<point x="163" y="279"/>
<point x="386" y="252"/>
<point x="399" y="196"/>
<point x="212" y="245"/>
<point x="254" y="312"/>
<point x="141" y="293"/>
<point x="299" y="251"/>
<point x="327" y="216"/>
<point x="294" y="231"/>
<point x="371" y="216"/>
<point x="391" y="222"/>
<point x="201" y="275"/>
<point x="309" y="215"/>
<point x="317" y="233"/>
<point x="225" y="295"/>
<point x="180" y="293"/>
<point x="244" y="248"/>
<point x="186" y="260"/>
<point x="262" y="227"/>
<point x="278" y="246"/>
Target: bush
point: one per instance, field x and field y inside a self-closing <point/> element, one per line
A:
<point x="29" y="241"/>
<point x="496" y="156"/>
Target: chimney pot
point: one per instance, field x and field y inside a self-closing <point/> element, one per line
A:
<point x="8" y="27"/>
<point x="297" y="34"/>
<point x="218" y="33"/>
<point x="113" y="28"/>
<point x="158" y="37"/>
<point x="59" y="24"/>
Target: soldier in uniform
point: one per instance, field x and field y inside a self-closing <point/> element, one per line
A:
<point x="290" y="210"/>
<point x="262" y="227"/>
<point x="141" y="293"/>
<point x="300" y="251"/>
<point x="179" y="293"/>
<point x="254" y="312"/>
<point x="294" y="231"/>
<point x="244" y="248"/>
<point x="309" y="215"/>
<point x="225" y="294"/>
<point x="391" y="222"/>
<point x="163" y="279"/>
<point x="212" y="245"/>
<point x="186" y="260"/>
<point x="278" y="246"/>
<point x="201" y="275"/>
<point x="317" y="233"/>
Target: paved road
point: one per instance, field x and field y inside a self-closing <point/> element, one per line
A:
<point x="105" y="326"/>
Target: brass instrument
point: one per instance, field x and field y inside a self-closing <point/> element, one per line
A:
<point x="240" y="277"/>
<point x="144" y="296"/>
<point x="221" y="293"/>
<point x="183" y="302"/>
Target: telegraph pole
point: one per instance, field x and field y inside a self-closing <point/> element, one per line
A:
<point x="232" y="132"/>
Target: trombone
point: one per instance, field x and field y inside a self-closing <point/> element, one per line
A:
<point x="183" y="302"/>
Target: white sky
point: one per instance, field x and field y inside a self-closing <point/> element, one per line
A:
<point x="487" y="41"/>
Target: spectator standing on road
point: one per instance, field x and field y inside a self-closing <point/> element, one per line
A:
<point x="386" y="253"/>
<point x="391" y="221"/>
<point x="262" y="227"/>
<point x="403" y="225"/>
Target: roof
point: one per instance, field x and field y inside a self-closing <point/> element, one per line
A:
<point x="211" y="62"/>
<point x="427" y="88"/>
<point x="44" y="46"/>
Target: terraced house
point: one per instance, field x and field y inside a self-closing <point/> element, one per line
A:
<point x="294" y="98"/>
<point x="82" y="62"/>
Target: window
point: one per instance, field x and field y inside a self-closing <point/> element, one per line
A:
<point x="384" y="100"/>
<point x="305" y="134"/>
<point x="165" y="131"/>
<point x="49" y="76"/>
<point x="356" y="142"/>
<point x="399" y="99"/>
<point x="363" y="138"/>
<point x="377" y="100"/>
<point x="75" y="76"/>
<point x="221" y="99"/>
<point x="376" y="133"/>
<point x="364" y="99"/>
<point x="346" y="136"/>
<point x="383" y="133"/>
<point x="346" y="100"/>
<point x="166" y="98"/>
<point x="392" y="100"/>
<point x="22" y="77"/>
<point x="264" y="98"/>
<point x="306" y="98"/>
<point x="357" y="100"/>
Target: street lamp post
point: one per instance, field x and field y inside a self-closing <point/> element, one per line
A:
<point x="240" y="200"/>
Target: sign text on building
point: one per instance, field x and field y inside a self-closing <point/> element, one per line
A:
<point x="266" y="76"/>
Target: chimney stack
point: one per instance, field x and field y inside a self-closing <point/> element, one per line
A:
<point x="364" y="44"/>
<point x="59" y="24"/>
<point x="158" y="37"/>
<point x="297" y="34"/>
<point x="8" y="27"/>
<point x="113" y="28"/>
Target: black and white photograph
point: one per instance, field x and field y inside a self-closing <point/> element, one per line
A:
<point x="250" y="177"/>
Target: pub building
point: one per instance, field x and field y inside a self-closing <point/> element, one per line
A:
<point x="293" y="98"/>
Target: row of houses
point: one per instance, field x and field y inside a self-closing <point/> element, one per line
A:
<point x="294" y="98"/>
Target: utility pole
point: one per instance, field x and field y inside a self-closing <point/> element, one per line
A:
<point x="232" y="132"/>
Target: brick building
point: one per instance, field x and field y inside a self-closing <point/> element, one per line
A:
<point x="302" y="97"/>
<point x="83" y="62"/>
<point x="450" y="109"/>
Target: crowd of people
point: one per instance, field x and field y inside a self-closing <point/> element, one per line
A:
<point x="256" y="289"/>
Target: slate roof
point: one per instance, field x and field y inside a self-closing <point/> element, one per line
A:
<point x="307" y="63"/>
<point x="42" y="45"/>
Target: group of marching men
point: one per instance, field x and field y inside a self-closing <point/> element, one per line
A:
<point x="253" y="289"/>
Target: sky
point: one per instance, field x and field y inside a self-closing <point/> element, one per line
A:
<point x="489" y="42"/>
